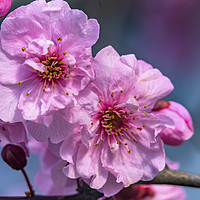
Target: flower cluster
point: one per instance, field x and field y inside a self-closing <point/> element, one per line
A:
<point x="98" y="118"/>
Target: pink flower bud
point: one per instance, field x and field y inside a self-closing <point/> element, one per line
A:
<point x="14" y="156"/>
<point x="161" y="104"/>
<point x="182" y="119"/>
<point x="4" y="7"/>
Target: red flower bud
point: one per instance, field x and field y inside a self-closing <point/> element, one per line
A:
<point x="161" y="104"/>
<point x="14" y="156"/>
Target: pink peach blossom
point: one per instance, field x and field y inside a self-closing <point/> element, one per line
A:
<point x="183" y="123"/>
<point x="120" y="146"/>
<point x="152" y="192"/>
<point x="4" y="7"/>
<point x="45" y="62"/>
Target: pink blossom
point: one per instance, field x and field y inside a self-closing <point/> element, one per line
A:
<point x="151" y="192"/>
<point x="50" y="179"/>
<point x="45" y="62"/>
<point x="183" y="123"/>
<point x="120" y="145"/>
<point x="4" y="7"/>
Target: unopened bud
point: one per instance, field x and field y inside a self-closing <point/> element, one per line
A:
<point x="161" y="104"/>
<point x="4" y="7"/>
<point x="14" y="156"/>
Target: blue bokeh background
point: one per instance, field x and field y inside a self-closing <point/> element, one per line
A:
<point x="163" y="33"/>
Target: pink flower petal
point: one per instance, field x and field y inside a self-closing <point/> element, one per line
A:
<point x="87" y="168"/>
<point x="151" y="86"/>
<point x="20" y="36"/>
<point x="8" y="104"/>
<point x="57" y="131"/>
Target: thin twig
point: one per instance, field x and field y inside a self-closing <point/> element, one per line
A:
<point x="31" y="192"/>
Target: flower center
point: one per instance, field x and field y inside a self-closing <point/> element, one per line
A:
<point x="112" y="119"/>
<point x="53" y="68"/>
<point x="118" y="125"/>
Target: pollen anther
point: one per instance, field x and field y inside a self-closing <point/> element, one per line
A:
<point x="23" y="48"/>
<point x="59" y="38"/>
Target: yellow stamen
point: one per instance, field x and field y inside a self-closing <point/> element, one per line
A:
<point x="23" y="48"/>
<point x="135" y="140"/>
<point x="59" y="38"/>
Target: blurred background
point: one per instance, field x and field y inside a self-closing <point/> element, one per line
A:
<point x="165" y="34"/>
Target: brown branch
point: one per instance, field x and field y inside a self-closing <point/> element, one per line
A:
<point x="167" y="176"/>
<point x="175" y="177"/>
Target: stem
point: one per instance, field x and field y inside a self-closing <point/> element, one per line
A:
<point x="32" y="192"/>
